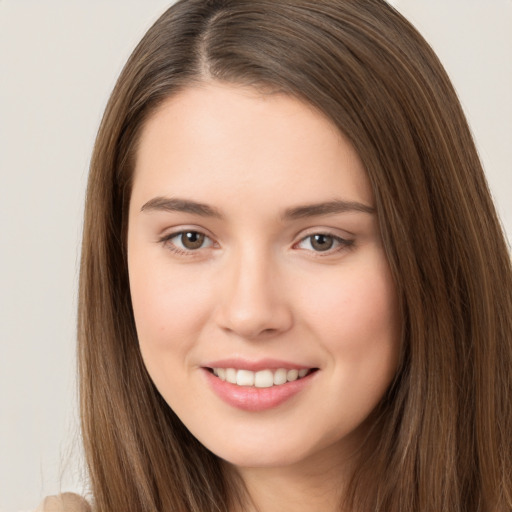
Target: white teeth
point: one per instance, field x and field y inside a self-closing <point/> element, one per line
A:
<point x="231" y="375"/>
<point x="280" y="376"/>
<point x="264" y="379"/>
<point x="292" y="375"/>
<point x="245" y="378"/>
<point x="260" y="379"/>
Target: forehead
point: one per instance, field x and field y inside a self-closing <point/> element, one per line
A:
<point x="218" y="138"/>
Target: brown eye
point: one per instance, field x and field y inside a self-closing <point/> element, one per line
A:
<point x="321" y="242"/>
<point x="192" y="240"/>
<point x="187" y="243"/>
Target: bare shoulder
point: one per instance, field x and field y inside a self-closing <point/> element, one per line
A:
<point x="66" y="502"/>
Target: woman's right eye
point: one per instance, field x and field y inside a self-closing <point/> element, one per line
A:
<point x="187" y="241"/>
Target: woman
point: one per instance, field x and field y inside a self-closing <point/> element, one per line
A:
<point x="294" y="291"/>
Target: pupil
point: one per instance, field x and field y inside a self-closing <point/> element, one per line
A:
<point x="192" y="240"/>
<point x="322" y="242"/>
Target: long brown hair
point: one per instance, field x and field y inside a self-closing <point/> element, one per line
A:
<point x="441" y="439"/>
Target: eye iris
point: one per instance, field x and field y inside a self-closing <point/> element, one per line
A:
<point x="322" y="242"/>
<point x="192" y="240"/>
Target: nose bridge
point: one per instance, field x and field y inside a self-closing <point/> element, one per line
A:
<point x="253" y="303"/>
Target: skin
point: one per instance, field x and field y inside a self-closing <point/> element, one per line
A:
<point x="258" y="287"/>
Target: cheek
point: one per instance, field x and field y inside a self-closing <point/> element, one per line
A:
<point x="355" y="316"/>
<point x="361" y="298"/>
<point x="162" y="314"/>
<point x="167" y="321"/>
<point x="359" y="328"/>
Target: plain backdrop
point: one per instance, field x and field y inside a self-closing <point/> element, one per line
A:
<point x="59" y="60"/>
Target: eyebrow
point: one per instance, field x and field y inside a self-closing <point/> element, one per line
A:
<point x="180" y="205"/>
<point x="298" y="212"/>
<point x="328" y="208"/>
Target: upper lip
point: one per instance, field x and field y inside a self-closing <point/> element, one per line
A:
<point x="260" y="364"/>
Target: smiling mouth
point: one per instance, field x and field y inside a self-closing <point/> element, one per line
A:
<point x="260" y="379"/>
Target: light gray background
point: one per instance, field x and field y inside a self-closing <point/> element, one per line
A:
<point x="58" y="63"/>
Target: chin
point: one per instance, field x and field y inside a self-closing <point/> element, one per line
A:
<point x="271" y="450"/>
<point x="262" y="459"/>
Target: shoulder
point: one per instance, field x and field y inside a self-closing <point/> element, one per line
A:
<point x="67" y="502"/>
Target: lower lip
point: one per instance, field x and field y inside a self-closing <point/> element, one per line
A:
<point x="255" y="399"/>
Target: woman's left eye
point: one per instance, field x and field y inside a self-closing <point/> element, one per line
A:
<point x="187" y="241"/>
<point x="323" y="242"/>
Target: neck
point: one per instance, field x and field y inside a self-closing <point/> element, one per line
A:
<point x="314" y="484"/>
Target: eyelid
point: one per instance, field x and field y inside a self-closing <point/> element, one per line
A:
<point x="170" y="231"/>
<point x="166" y="238"/>
<point x="343" y="242"/>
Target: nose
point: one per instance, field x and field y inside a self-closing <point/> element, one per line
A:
<point x="252" y="303"/>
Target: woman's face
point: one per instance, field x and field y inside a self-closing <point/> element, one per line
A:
<point x="264" y="305"/>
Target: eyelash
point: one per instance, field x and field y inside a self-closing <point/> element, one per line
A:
<point x="166" y="241"/>
<point x="339" y="242"/>
<point x="342" y="243"/>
